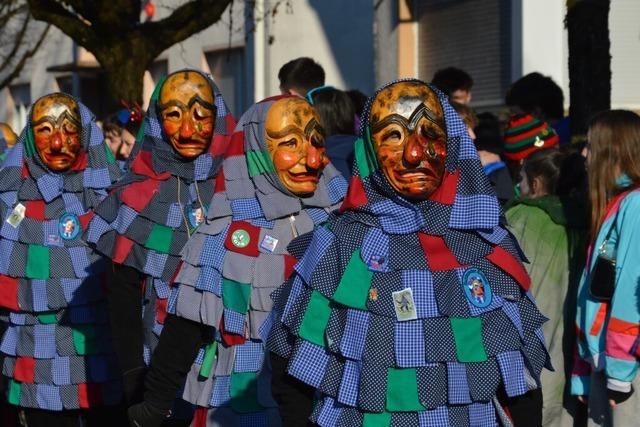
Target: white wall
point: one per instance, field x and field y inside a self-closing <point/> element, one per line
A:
<point x="544" y="41"/>
<point x="624" y="32"/>
<point x="337" y="34"/>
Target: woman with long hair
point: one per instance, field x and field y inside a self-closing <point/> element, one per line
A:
<point x="608" y="310"/>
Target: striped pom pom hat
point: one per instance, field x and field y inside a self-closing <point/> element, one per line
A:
<point x="526" y="134"/>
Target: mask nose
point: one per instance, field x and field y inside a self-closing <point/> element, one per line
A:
<point x="414" y="151"/>
<point x="187" y="128"/>
<point x="56" y="142"/>
<point x="314" y="157"/>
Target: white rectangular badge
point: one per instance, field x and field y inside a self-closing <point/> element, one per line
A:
<point x="404" y="305"/>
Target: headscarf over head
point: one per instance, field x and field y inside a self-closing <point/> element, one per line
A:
<point x="411" y="313"/>
<point x="56" y="347"/>
<point x="233" y="263"/>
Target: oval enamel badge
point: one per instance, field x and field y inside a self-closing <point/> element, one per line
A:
<point x="69" y="226"/>
<point x="476" y="288"/>
<point x="196" y="216"/>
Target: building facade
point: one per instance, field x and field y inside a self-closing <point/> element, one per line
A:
<point x="360" y="43"/>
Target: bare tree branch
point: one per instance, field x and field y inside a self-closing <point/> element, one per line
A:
<point x="25" y="56"/>
<point x="71" y="24"/>
<point x="186" y="20"/>
<point x="17" y="43"/>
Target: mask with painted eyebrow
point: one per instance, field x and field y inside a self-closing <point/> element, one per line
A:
<point x="411" y="157"/>
<point x="295" y="141"/>
<point x="421" y="111"/>
<point x="56" y="128"/>
<point x="187" y="111"/>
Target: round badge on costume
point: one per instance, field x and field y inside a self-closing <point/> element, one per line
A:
<point x="69" y="226"/>
<point x="196" y="216"/>
<point x="240" y="238"/>
<point x="476" y="288"/>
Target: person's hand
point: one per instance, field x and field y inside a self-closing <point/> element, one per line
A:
<point x="584" y="399"/>
<point x="617" y="397"/>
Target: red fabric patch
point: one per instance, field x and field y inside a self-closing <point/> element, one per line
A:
<point x="219" y="186"/>
<point x="200" y="417"/>
<point x="289" y="262"/>
<point x="596" y="326"/>
<point x="355" y="195"/>
<point x="218" y="145"/>
<point x="24" y="369"/>
<point x="35" y="210"/>
<point x="623" y="327"/>
<point x="85" y="219"/>
<point x="514" y="268"/>
<point x="236" y="145"/>
<point x="138" y="194"/>
<point x="121" y="249"/>
<point x="438" y="255"/>
<point x="89" y="395"/>
<point x="235" y="234"/>
<point x="446" y="193"/>
<point x="229" y="338"/>
<point x="9" y="292"/>
<point x="161" y="310"/>
<point x="143" y="165"/>
<point x="81" y="162"/>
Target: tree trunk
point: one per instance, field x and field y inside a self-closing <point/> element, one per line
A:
<point x="587" y="24"/>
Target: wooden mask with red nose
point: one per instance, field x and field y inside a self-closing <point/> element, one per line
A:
<point x="409" y="138"/>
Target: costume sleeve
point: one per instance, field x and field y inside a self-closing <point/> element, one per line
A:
<point x="624" y="318"/>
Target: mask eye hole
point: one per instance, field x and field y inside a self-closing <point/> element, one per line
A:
<point x="290" y="143"/>
<point x="45" y="129"/>
<point x="172" y="115"/>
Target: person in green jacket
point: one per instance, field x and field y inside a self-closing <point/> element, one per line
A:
<point x="550" y="229"/>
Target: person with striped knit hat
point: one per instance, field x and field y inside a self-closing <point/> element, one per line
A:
<point x="526" y="134"/>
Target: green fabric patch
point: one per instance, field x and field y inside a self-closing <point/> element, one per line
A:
<point x="156" y="91"/>
<point x="110" y="157"/>
<point x="13" y="394"/>
<point x="316" y="317"/>
<point x="402" y="391"/>
<point x="235" y="295"/>
<point x="47" y="318"/>
<point x="353" y="289"/>
<point x="467" y="333"/>
<point x="259" y="162"/>
<point x="209" y="356"/>
<point x="365" y="158"/>
<point x="244" y="392"/>
<point x="37" y="262"/>
<point x="85" y="339"/>
<point x="382" y="419"/>
<point x="160" y="238"/>
<point x="29" y="144"/>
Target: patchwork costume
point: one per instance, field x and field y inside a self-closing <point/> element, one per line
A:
<point x="230" y="267"/>
<point x="57" y="351"/>
<point x="143" y="225"/>
<point x="407" y="313"/>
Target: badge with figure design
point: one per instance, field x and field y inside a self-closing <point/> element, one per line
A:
<point x="404" y="305"/>
<point x="240" y="238"/>
<point x="69" y="226"/>
<point x="196" y="216"/>
<point x="476" y="287"/>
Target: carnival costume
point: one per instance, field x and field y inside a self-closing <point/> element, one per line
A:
<point x="57" y="350"/>
<point x="412" y="313"/>
<point x="145" y="222"/>
<point x="231" y="266"/>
